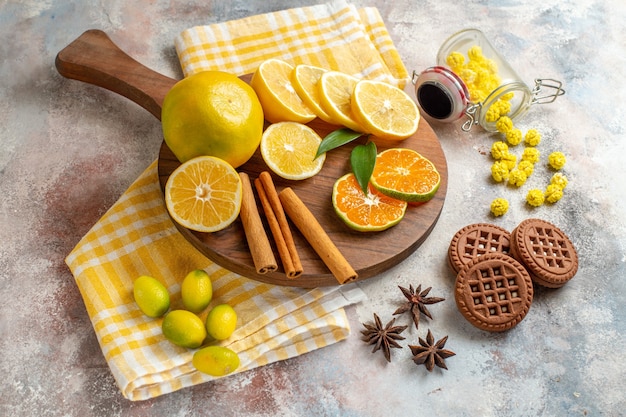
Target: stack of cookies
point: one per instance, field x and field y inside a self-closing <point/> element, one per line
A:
<point x="496" y="269"/>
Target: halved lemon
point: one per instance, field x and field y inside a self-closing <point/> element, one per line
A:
<point x="384" y="110"/>
<point x="369" y="212"/>
<point x="289" y="148"/>
<point x="405" y="174"/>
<point x="280" y="102"/>
<point x="305" y="79"/>
<point x="204" y="194"/>
<point x="335" y="92"/>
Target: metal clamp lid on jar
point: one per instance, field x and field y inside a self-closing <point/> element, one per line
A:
<point x="443" y="96"/>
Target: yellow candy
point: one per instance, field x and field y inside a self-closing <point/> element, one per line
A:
<point x="527" y="167"/>
<point x="517" y="177"/>
<point x="500" y="171"/>
<point x="510" y="159"/>
<point x="499" y="149"/>
<point x="504" y="124"/>
<point x="532" y="138"/>
<point x="535" y="197"/>
<point x="514" y="136"/>
<point x="559" y="180"/>
<point x="531" y="155"/>
<point x="499" y="206"/>
<point x="553" y="193"/>
<point x="556" y="160"/>
<point x="455" y="61"/>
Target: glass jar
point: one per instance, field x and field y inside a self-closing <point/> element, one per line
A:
<point x="472" y="79"/>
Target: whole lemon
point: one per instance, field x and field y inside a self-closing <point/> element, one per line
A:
<point x="183" y="328"/>
<point x="212" y="113"/>
<point x="196" y="290"/>
<point x="221" y="322"/>
<point x="215" y="360"/>
<point x="151" y="296"/>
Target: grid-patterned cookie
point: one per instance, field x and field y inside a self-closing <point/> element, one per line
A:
<point x="476" y="240"/>
<point x="545" y="251"/>
<point x="493" y="292"/>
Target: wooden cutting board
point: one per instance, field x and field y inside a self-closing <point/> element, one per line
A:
<point x="95" y="59"/>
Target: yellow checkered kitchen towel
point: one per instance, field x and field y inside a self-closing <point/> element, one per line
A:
<point x="334" y="35"/>
<point x="136" y="236"/>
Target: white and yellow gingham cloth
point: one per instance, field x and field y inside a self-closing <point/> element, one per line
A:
<point x="335" y="35"/>
<point x="137" y="237"/>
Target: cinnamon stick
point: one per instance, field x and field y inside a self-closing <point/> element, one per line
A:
<point x="308" y="225"/>
<point x="278" y="224"/>
<point x="260" y="248"/>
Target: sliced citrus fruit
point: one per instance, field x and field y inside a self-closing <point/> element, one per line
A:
<point x="305" y="79"/>
<point x="335" y="92"/>
<point x="384" y="110"/>
<point x="289" y="148"/>
<point x="280" y="102"/>
<point x="204" y="194"/>
<point x="365" y="213"/>
<point x="406" y="175"/>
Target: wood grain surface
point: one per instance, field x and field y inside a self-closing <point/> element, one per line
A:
<point x="95" y="59"/>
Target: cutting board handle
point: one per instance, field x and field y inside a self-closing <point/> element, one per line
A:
<point x="94" y="58"/>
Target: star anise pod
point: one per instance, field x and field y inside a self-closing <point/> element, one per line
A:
<point x="383" y="337"/>
<point x="417" y="302"/>
<point x="430" y="353"/>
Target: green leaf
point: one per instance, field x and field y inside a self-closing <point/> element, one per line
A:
<point x="363" y="159"/>
<point x="337" y="138"/>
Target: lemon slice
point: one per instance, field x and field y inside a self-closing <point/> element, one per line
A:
<point x="335" y="91"/>
<point x="384" y="110"/>
<point x="280" y="102"/>
<point x="204" y="194"/>
<point x="305" y="79"/>
<point x="289" y="148"/>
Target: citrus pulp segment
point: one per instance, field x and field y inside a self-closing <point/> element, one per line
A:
<point x="212" y="113"/>
<point x="335" y="91"/>
<point x="384" y="110"/>
<point x="305" y="79"/>
<point x="204" y="194"/>
<point x="405" y="174"/>
<point x="366" y="213"/>
<point x="272" y="84"/>
<point x="289" y="149"/>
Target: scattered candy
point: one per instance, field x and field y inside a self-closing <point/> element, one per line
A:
<point x="532" y="137"/>
<point x="499" y="206"/>
<point x="531" y="155"/>
<point x="559" y="180"/>
<point x="526" y="167"/>
<point x="514" y="136"/>
<point x="535" y="197"/>
<point x="500" y="171"/>
<point x="517" y="177"/>
<point x="499" y="149"/>
<point x="556" y="160"/>
<point x="553" y="193"/>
